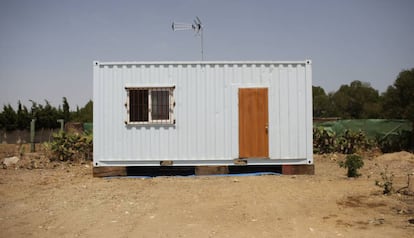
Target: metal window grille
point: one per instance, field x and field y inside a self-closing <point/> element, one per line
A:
<point x="138" y="105"/>
<point x="150" y="105"/>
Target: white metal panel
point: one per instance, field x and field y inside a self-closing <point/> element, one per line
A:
<point x="293" y="111"/>
<point x="283" y="111"/>
<point x="309" y="111"/>
<point x="274" y="110"/>
<point x="206" y="112"/>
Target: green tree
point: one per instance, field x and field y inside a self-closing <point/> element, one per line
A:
<point x="357" y="100"/>
<point x="322" y="104"/>
<point x="23" y="117"/>
<point x="46" y="116"/>
<point x="84" y="114"/>
<point x="8" y="118"/>
<point x="398" y="100"/>
<point x="66" y="112"/>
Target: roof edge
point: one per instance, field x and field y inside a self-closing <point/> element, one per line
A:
<point x="196" y="62"/>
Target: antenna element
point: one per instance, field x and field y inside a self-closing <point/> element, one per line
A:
<point x="197" y="27"/>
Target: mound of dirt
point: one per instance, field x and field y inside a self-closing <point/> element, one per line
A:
<point x="401" y="162"/>
<point x="397" y="156"/>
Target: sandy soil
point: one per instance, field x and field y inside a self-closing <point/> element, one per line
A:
<point x="64" y="200"/>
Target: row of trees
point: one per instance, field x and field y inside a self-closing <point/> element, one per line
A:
<point x="359" y="100"/>
<point x="46" y="115"/>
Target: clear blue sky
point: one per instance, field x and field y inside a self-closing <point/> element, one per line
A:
<point x="47" y="47"/>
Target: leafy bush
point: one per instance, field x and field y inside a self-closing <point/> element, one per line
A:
<point x="326" y="141"/>
<point x="69" y="147"/>
<point x="323" y="140"/>
<point x="352" y="141"/>
<point x="352" y="163"/>
<point x="392" y="143"/>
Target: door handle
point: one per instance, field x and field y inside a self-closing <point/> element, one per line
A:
<point x="267" y="128"/>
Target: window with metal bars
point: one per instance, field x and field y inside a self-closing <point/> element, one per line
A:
<point x="150" y="105"/>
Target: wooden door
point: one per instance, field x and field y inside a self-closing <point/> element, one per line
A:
<point x="253" y="123"/>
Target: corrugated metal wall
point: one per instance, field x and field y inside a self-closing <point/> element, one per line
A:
<point x="206" y="111"/>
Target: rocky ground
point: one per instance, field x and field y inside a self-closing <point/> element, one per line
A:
<point x="39" y="198"/>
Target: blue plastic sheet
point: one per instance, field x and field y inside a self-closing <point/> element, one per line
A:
<point x="193" y="175"/>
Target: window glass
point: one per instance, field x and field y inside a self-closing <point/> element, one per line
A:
<point x="160" y="105"/>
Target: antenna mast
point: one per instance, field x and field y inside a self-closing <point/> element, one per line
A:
<point x="197" y="27"/>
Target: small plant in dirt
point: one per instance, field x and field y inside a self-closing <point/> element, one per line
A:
<point x="21" y="150"/>
<point x="387" y="181"/>
<point x="352" y="163"/>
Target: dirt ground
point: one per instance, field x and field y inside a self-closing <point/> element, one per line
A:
<point x="41" y="199"/>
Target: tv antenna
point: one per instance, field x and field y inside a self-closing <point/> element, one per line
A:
<point x="197" y="27"/>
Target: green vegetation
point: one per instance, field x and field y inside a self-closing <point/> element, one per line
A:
<point x="352" y="163"/>
<point x="326" y="141"/>
<point x="84" y="114"/>
<point x="359" y="100"/>
<point x="389" y="135"/>
<point x="391" y="143"/>
<point x="46" y="115"/>
<point x="70" y="147"/>
<point x="352" y="141"/>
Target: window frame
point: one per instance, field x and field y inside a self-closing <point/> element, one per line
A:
<point x="169" y="121"/>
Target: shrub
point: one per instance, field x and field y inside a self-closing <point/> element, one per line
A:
<point x="352" y="163"/>
<point x="387" y="182"/>
<point x="352" y="141"/>
<point x="395" y="142"/>
<point x="70" y="147"/>
<point x="323" y="140"/>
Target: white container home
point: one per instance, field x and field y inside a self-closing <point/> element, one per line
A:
<point x="202" y="113"/>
